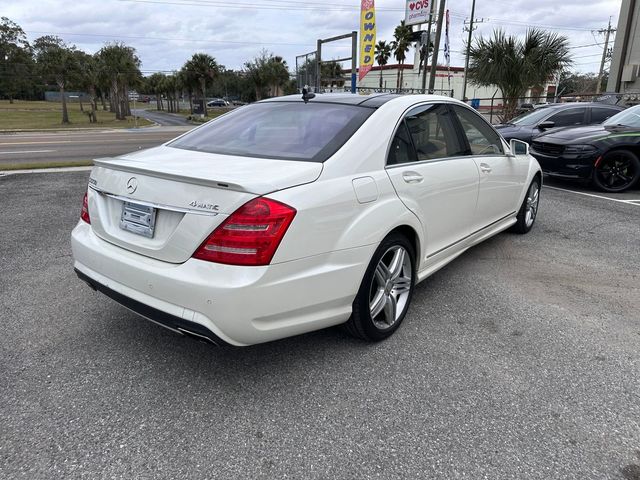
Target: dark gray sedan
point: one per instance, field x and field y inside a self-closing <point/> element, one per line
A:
<point x="531" y="124"/>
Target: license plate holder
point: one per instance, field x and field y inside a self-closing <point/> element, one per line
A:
<point x="138" y="219"/>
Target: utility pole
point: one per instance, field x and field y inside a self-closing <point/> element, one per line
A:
<point x="608" y="32"/>
<point x="426" y="55"/>
<point x="436" y="47"/>
<point x="466" y="62"/>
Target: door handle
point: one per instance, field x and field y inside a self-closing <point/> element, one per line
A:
<point x="412" y="177"/>
<point x="484" y="168"/>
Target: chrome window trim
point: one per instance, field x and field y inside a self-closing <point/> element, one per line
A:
<point x="443" y="159"/>
<point x="154" y="205"/>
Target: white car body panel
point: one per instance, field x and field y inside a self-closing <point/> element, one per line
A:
<point x="452" y="183"/>
<point x="344" y="208"/>
<point x="241" y="305"/>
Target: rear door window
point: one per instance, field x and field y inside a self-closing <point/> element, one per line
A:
<point x="401" y="150"/>
<point x="433" y="133"/>
<point x="600" y="114"/>
<point x="566" y="118"/>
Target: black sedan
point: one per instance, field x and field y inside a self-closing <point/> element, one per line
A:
<point x="527" y="126"/>
<point x="606" y="154"/>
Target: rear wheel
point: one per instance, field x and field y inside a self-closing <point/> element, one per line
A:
<point x="529" y="208"/>
<point x="386" y="290"/>
<point x="617" y="171"/>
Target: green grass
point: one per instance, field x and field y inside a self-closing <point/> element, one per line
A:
<point x="37" y="165"/>
<point x="38" y="115"/>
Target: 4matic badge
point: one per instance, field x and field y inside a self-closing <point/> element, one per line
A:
<point x="205" y="206"/>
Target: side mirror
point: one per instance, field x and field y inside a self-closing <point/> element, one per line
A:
<point x="546" y="125"/>
<point x="518" y="147"/>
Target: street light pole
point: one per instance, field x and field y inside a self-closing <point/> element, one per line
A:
<point x="436" y="47"/>
<point x="426" y="55"/>
<point x="604" y="54"/>
<point x="466" y="62"/>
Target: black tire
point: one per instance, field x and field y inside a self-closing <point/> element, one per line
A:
<point x="617" y="171"/>
<point x="524" y="223"/>
<point x="361" y="324"/>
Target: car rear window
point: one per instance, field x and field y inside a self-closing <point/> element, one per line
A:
<point x="279" y="130"/>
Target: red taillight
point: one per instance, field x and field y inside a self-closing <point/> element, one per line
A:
<point x="84" y="213"/>
<point x="250" y="236"/>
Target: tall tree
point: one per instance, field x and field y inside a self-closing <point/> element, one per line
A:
<point x="16" y="61"/>
<point x="155" y="84"/>
<point x="332" y="73"/>
<point x="119" y="64"/>
<point x="268" y="73"/>
<point x="205" y="68"/>
<point x="514" y="65"/>
<point x="56" y="60"/>
<point x="87" y="79"/>
<point x="400" y="47"/>
<point x="278" y="75"/>
<point x="382" y="54"/>
<point x="190" y="83"/>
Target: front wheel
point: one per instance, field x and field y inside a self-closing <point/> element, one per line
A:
<point x="386" y="290"/>
<point x="529" y="208"/>
<point x="616" y="171"/>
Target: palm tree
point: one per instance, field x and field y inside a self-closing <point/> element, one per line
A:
<point x="400" y="46"/>
<point x="155" y="83"/>
<point x="268" y="73"/>
<point x="56" y="60"/>
<point x="514" y="65"/>
<point x="205" y="68"/>
<point x="383" y="52"/>
<point x="88" y="79"/>
<point x="119" y="64"/>
<point x="278" y="75"/>
<point x="331" y="72"/>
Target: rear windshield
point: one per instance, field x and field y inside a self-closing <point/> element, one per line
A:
<point x="279" y="130"/>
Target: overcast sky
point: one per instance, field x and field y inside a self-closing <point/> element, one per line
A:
<point x="166" y="33"/>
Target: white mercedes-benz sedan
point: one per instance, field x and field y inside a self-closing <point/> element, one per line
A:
<point x="295" y="214"/>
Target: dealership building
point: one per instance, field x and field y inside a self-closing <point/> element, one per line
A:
<point x="624" y="75"/>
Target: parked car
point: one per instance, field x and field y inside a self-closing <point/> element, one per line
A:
<point x="218" y="102"/>
<point x="290" y="215"/>
<point x="605" y="154"/>
<point x="525" y="107"/>
<point x="531" y="124"/>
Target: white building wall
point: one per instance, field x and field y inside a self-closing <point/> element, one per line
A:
<point x="412" y="79"/>
<point x="446" y="81"/>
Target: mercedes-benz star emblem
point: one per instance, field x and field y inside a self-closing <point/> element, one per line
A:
<point x="132" y="184"/>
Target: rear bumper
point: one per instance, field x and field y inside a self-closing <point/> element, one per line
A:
<point x="222" y="303"/>
<point x="172" y="322"/>
<point x="568" y="168"/>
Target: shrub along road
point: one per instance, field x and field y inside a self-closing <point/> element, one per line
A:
<point x="521" y="359"/>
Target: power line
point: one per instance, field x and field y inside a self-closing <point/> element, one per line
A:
<point x="145" y="37"/>
<point x="244" y="6"/>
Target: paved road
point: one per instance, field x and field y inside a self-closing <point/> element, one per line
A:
<point x="85" y="145"/>
<point x="520" y="360"/>
<point x="162" y="118"/>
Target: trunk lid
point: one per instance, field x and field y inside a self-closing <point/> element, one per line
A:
<point x="188" y="194"/>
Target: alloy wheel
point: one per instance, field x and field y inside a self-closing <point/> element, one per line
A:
<point x="390" y="287"/>
<point x="531" y="208"/>
<point x="616" y="171"/>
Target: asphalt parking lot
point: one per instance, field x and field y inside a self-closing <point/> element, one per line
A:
<point x="520" y="360"/>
